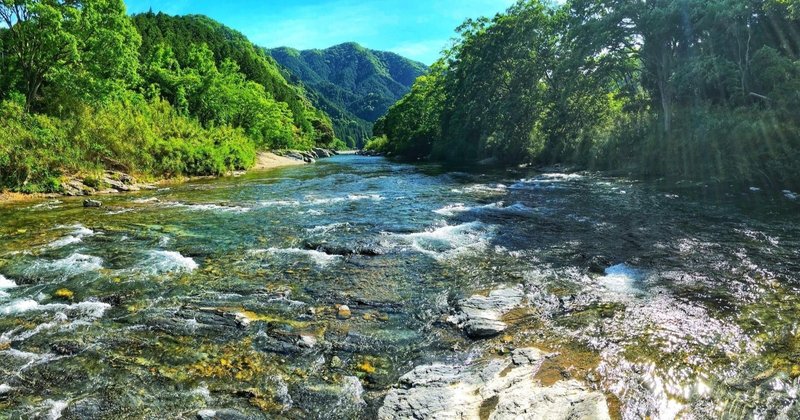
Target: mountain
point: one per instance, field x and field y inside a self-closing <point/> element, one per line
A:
<point x="353" y="84"/>
<point x="181" y="35"/>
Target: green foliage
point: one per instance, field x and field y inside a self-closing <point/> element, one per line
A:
<point x="378" y="144"/>
<point x="223" y="97"/>
<point x="152" y="95"/>
<point x="133" y="135"/>
<point x="352" y="84"/>
<point x="192" y="59"/>
<point x="694" y="89"/>
<point x="415" y="120"/>
<point x="88" y="49"/>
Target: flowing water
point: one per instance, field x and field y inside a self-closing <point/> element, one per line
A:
<point x="223" y="294"/>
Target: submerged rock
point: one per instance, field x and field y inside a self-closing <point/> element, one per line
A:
<point x="343" y="312"/>
<point x="343" y="399"/>
<point x="366" y="250"/>
<point x="498" y="389"/>
<point x="221" y="414"/>
<point x="92" y="204"/>
<point x="480" y="316"/>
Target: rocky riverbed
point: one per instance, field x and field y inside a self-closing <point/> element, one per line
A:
<point x="361" y="288"/>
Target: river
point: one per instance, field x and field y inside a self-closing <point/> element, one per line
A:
<point x="226" y="294"/>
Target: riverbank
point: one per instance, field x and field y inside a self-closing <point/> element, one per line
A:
<point x="268" y="160"/>
<point x="115" y="182"/>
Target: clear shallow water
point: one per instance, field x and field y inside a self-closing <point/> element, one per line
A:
<point x="224" y="293"/>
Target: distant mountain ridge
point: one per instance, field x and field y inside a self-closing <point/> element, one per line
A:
<point x="354" y="85"/>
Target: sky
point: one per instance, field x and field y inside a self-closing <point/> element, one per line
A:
<point x="417" y="29"/>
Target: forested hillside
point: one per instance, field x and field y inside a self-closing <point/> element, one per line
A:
<point x="84" y="88"/>
<point x="689" y="89"/>
<point x="353" y="84"/>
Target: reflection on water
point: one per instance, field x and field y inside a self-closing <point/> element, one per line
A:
<point x="227" y="294"/>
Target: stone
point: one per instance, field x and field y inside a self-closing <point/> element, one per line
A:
<point x="343" y="312"/>
<point x="121" y="186"/>
<point x="92" y="204"/>
<point x="483" y="328"/>
<point x="64" y="294"/>
<point x="365" y="249"/>
<point x="322" y="153"/>
<point x="495" y="389"/>
<point x="336" y="362"/>
<point x="220" y="414"/>
<point x="480" y="316"/>
<point x="307" y="341"/>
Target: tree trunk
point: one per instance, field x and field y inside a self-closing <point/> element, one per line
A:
<point x="34" y="84"/>
<point x="665" y="89"/>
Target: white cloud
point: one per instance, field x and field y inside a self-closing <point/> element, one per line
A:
<point x="421" y="50"/>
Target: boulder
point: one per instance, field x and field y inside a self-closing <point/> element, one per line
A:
<point x="74" y="187"/>
<point x="322" y="153"/>
<point x="92" y="204"/>
<point x="294" y="155"/>
<point x="363" y="249"/>
<point x="481" y="316"/>
<point x="343" y="312"/>
<point x="120" y="185"/>
<point x="495" y="389"/>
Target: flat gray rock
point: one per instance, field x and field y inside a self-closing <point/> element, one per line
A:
<point x="480" y="316"/>
<point x="497" y="389"/>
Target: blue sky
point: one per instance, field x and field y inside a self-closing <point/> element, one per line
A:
<point x="418" y="29"/>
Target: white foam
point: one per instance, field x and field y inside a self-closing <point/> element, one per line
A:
<point x="6" y="284"/>
<point x="119" y="211"/>
<point x="621" y="278"/>
<point x="19" y="306"/>
<point x="448" y="241"/>
<point x="517" y="208"/>
<point x="77" y="229"/>
<point x="4" y="389"/>
<point x="146" y="200"/>
<point x="790" y="195"/>
<point x="87" y="309"/>
<point x="78" y="232"/>
<point x="204" y="392"/>
<point x="349" y="197"/>
<point x="279" y="203"/>
<point x="457" y="208"/>
<point x="321" y="259"/>
<point x="327" y="228"/>
<point x="482" y="188"/>
<point x="170" y="261"/>
<point x="60" y="243"/>
<point x="72" y="265"/>
<point x="547" y="181"/>
<point x="47" y="205"/>
<point x="452" y="209"/>
<point x="207" y="207"/>
<point x="561" y="177"/>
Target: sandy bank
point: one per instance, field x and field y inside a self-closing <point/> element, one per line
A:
<point x="269" y="160"/>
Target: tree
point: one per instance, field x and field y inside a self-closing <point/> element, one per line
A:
<point x="89" y="47"/>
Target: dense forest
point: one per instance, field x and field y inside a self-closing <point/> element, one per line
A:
<point x="685" y="89"/>
<point x="84" y="87"/>
<point x="352" y="84"/>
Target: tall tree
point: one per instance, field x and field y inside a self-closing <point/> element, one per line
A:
<point x="88" y="46"/>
